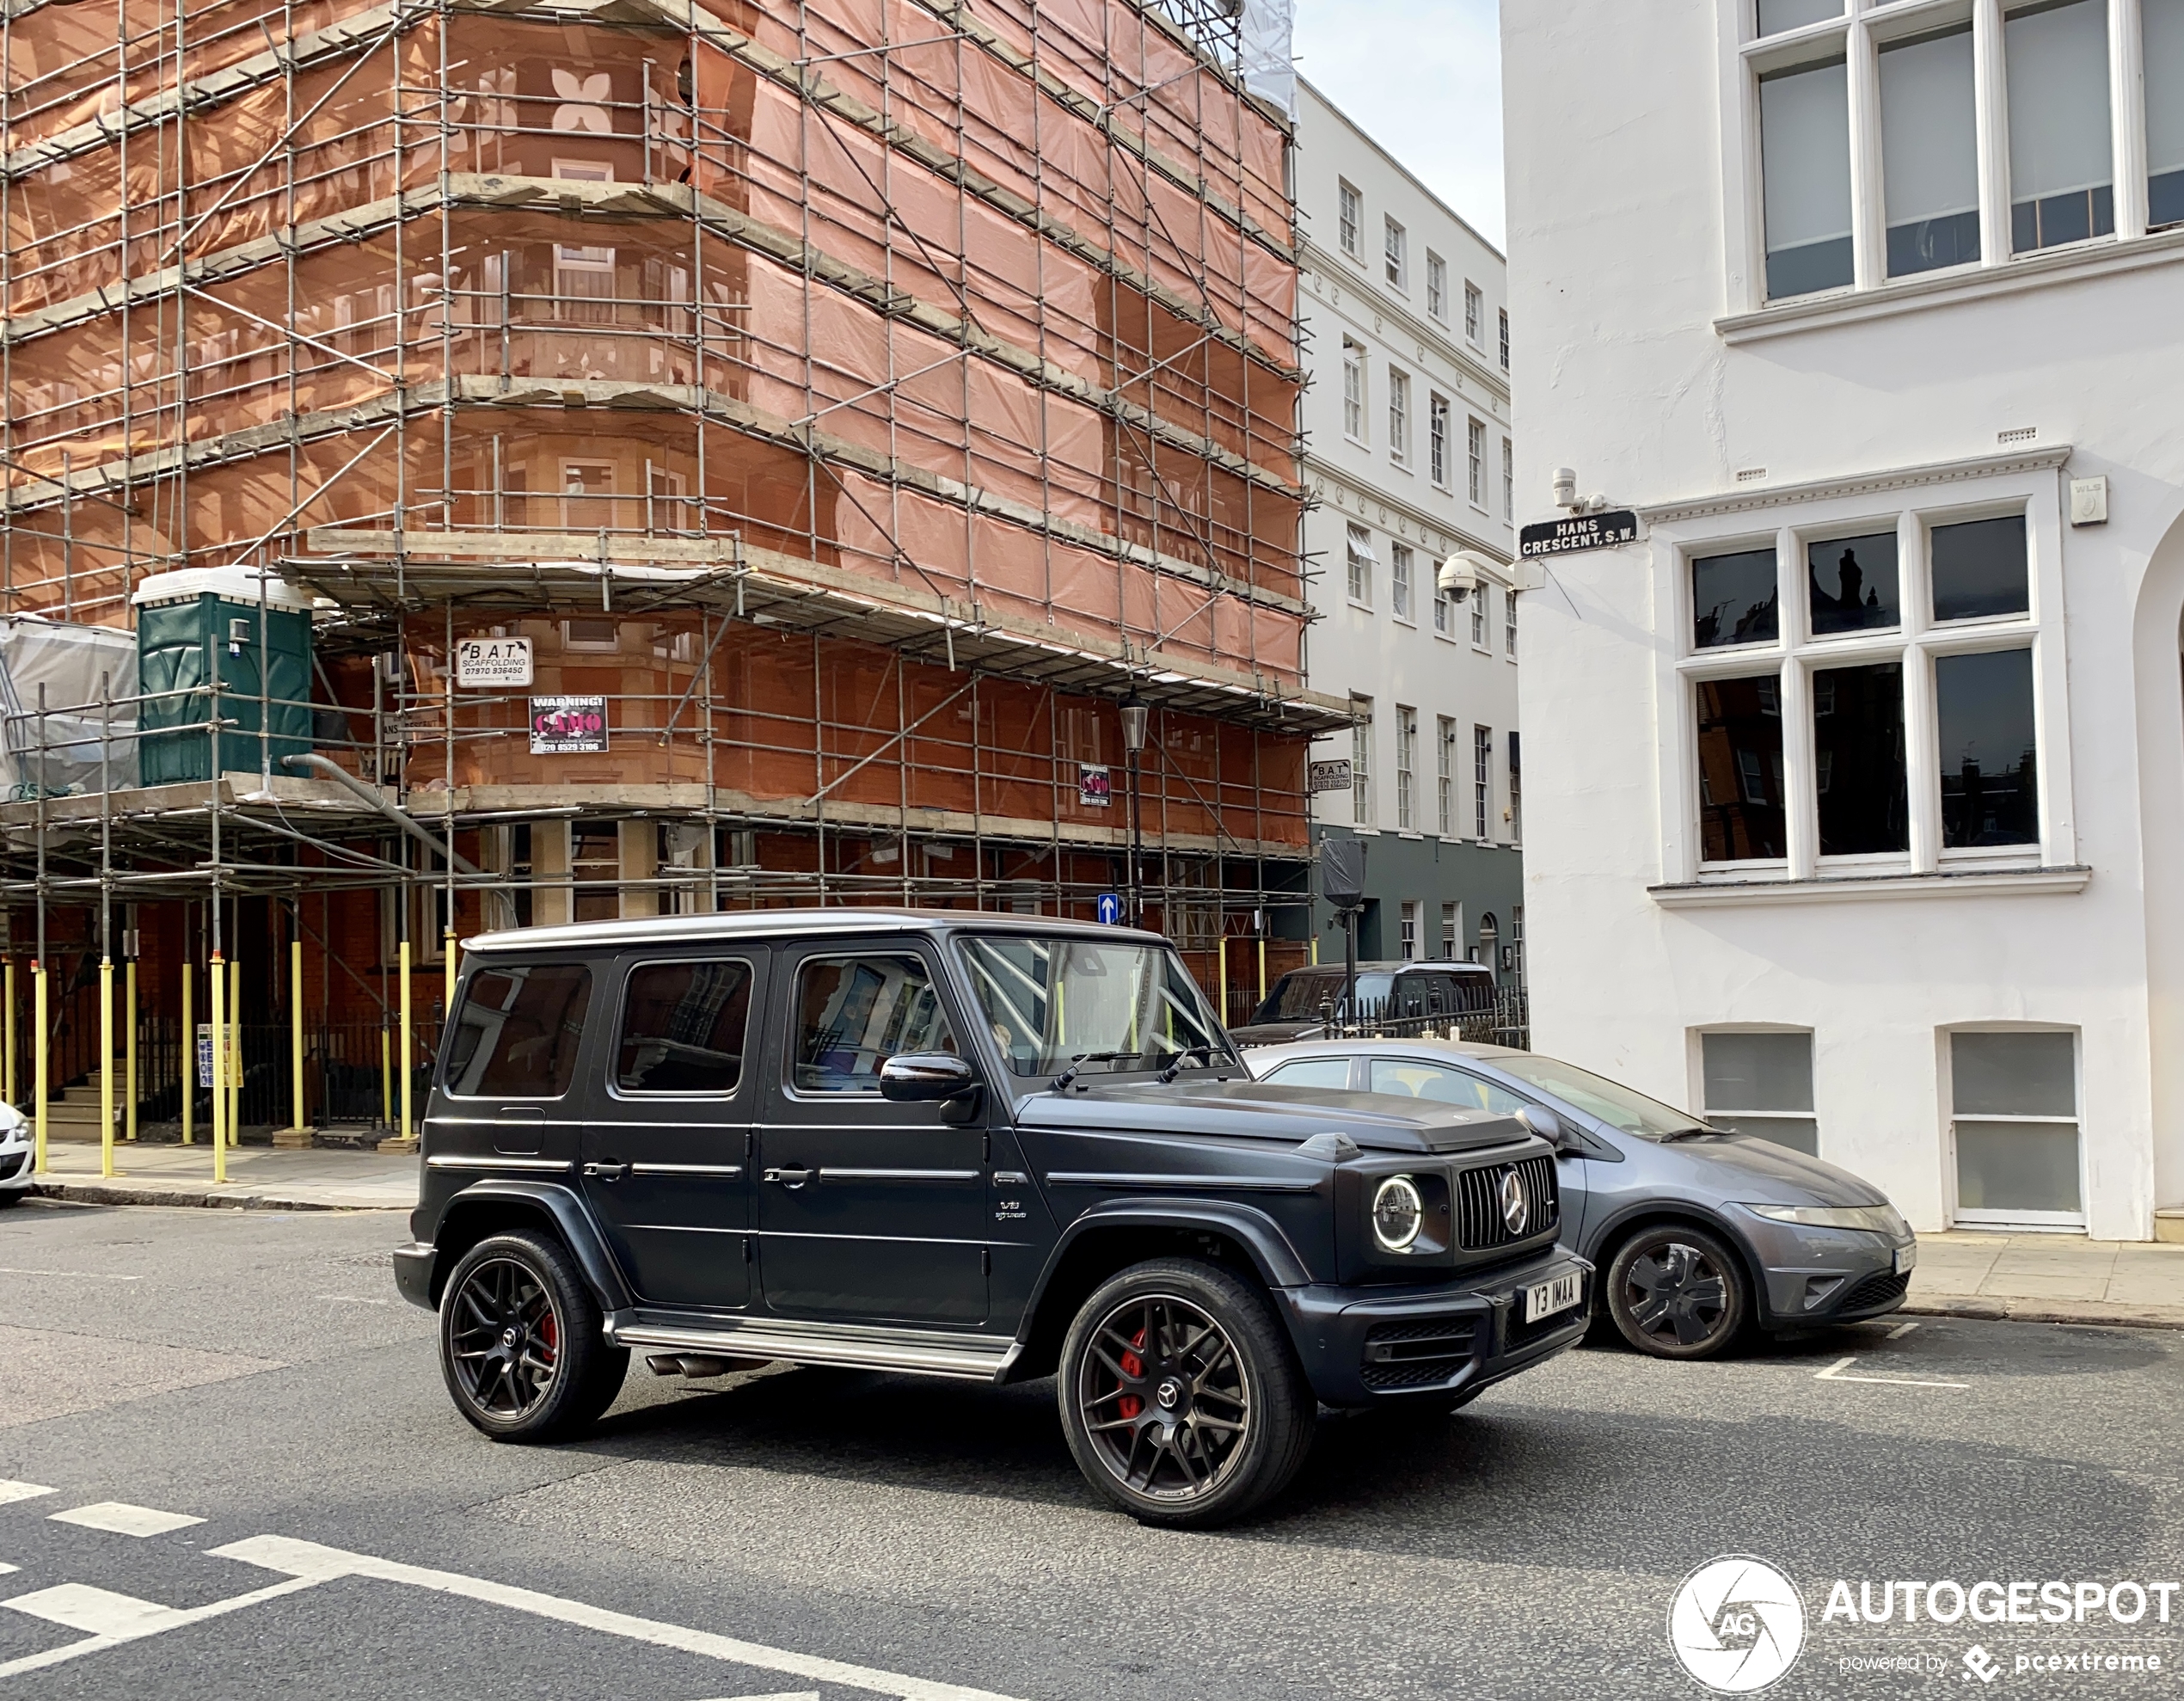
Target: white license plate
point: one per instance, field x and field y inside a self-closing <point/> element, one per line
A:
<point x="1544" y="1299"/>
<point x="1907" y="1257"/>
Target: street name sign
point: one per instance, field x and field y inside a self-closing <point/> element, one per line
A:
<point x="1580" y="531"/>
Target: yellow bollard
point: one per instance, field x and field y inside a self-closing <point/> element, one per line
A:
<point x="219" y="1070"/>
<point x="296" y="1031"/>
<point x="386" y="1078"/>
<point x="1262" y="968"/>
<point x="1221" y="977"/>
<point x="235" y="1057"/>
<point x="447" y="951"/>
<point x="189" y="1051"/>
<point x="38" y="1062"/>
<point x="106" y="1066"/>
<point x="8" y="1081"/>
<point x="129" y="1003"/>
<point x="406" y="1040"/>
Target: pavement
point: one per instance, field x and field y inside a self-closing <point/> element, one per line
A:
<point x="258" y="1177"/>
<point x="228" y="1467"/>
<point x="2040" y="1278"/>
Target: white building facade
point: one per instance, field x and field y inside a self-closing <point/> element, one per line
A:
<point x="1857" y="782"/>
<point x="1408" y="457"/>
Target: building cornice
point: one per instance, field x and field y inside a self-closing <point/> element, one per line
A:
<point x="1317" y="471"/>
<point x="2098" y="259"/>
<point x="1327" y="263"/>
<point x="1861" y="888"/>
<point x="1855" y="484"/>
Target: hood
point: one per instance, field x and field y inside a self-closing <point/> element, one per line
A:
<point x="1759" y="1172"/>
<point x="1276" y="1033"/>
<point x="1256" y="1110"/>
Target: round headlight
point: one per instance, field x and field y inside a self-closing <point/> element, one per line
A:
<point x="1397" y="1213"/>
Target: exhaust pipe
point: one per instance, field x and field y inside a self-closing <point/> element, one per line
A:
<point x="700" y="1364"/>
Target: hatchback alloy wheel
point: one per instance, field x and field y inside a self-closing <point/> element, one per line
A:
<point x="1677" y="1294"/>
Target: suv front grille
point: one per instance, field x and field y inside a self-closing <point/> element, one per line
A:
<point x="1420" y="1354"/>
<point x="1480" y="1223"/>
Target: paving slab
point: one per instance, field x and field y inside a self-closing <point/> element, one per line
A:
<point x="2043" y="1278"/>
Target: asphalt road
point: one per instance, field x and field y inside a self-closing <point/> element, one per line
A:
<point x="835" y="1535"/>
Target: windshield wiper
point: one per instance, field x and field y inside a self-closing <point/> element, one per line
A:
<point x="1077" y="1063"/>
<point x="1691" y="1133"/>
<point x="1183" y="1056"/>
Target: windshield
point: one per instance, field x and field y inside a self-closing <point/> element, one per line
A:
<point x="1614" y="1104"/>
<point x="1303" y="990"/>
<point x="1049" y="1002"/>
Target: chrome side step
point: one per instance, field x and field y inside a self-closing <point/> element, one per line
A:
<point x="966" y="1359"/>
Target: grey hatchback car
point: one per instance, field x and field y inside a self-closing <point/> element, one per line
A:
<point x="1701" y="1232"/>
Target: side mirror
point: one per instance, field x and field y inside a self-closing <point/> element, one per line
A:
<point x="917" y="1077"/>
<point x="1547" y="1125"/>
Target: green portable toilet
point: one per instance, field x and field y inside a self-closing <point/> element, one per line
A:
<point x="202" y="623"/>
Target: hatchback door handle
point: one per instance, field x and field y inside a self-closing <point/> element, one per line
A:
<point x="795" y="1177"/>
<point x="607" y="1172"/>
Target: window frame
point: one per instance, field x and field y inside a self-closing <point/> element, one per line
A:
<point x="1349" y="218"/>
<point x="1437" y="288"/>
<point x="1406" y="768"/>
<point x="1394" y="252"/>
<point x="1475" y="461"/>
<point x="1708" y="1110"/>
<point x="1979" y="1217"/>
<point x="753" y="1027"/>
<point x="1357" y="394"/>
<point x="1856" y="36"/>
<point x="1398" y="415"/>
<point x="1439" y="413"/>
<point x="1403" y="600"/>
<point x="1913" y="509"/>
<point x="798" y="964"/>
<point x="1474" y="314"/>
<point x="1482" y="783"/>
<point x="1358" y="559"/>
<point x="1363" y="803"/>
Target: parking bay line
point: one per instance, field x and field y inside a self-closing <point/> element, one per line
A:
<point x="1835" y="1373"/>
<point x="12" y="1490"/>
<point x="308" y="1564"/>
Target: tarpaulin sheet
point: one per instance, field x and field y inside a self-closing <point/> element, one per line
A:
<point x="60" y="752"/>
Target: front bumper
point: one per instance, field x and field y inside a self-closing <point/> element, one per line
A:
<point x="413" y="1273"/>
<point x="1369" y="1346"/>
<point x="1818" y="1276"/>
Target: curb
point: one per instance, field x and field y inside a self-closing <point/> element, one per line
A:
<point x="101" y="1193"/>
<point x="2084" y="1311"/>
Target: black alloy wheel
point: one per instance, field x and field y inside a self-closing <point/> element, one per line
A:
<point x="520" y="1343"/>
<point x="1181" y="1399"/>
<point x="1678" y="1293"/>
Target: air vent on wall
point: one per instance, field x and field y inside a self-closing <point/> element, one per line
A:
<point x="1752" y="474"/>
<point x="2016" y="434"/>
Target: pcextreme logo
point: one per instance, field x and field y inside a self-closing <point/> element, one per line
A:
<point x="1737" y="1624"/>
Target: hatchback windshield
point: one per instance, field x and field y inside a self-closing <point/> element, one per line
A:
<point x="1614" y="1104"/>
<point x="1051" y="1001"/>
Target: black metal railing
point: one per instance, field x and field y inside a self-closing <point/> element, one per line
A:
<point x="1503" y="1020"/>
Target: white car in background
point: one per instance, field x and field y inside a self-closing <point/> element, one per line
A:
<point x="15" y="1155"/>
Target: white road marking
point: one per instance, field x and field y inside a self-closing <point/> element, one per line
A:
<point x="6" y="1568"/>
<point x="182" y="1616"/>
<point x="120" y="1519"/>
<point x="12" y="1490"/>
<point x="95" y="1611"/>
<point x="351" y="1299"/>
<point x="1834" y="1372"/>
<point x="73" y="1275"/>
<point x="1900" y="1332"/>
<point x="309" y="1563"/>
<point x="785" y="1695"/>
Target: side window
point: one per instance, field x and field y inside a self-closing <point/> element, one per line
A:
<point x="683" y="1027"/>
<point x="1408" y="1079"/>
<point x="1410" y="995"/>
<point x="1314" y="1071"/>
<point x="855" y="1013"/>
<point x="517" y="1033"/>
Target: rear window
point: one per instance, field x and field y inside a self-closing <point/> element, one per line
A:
<point x="683" y="1027"/>
<point x="517" y="1032"/>
<point x="1298" y="994"/>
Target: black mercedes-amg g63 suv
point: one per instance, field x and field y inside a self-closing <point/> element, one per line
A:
<point x="959" y="1144"/>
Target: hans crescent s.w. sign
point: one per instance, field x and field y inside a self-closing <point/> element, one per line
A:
<point x="1579" y="531"/>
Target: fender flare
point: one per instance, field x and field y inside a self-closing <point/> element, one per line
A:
<point x="561" y="1208"/>
<point x="1260" y="1236"/>
<point x="1699" y="1215"/>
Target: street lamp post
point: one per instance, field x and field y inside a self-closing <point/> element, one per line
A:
<point x="1134" y="714"/>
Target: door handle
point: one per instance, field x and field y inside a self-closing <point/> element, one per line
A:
<point x="607" y="1172"/>
<point x="790" y="1177"/>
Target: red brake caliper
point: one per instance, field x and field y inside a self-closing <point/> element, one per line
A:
<point x="1130" y="1405"/>
<point x="552" y="1338"/>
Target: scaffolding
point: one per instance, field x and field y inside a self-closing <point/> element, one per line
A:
<point x="856" y="401"/>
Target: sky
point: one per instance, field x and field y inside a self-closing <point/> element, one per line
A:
<point x="1423" y="78"/>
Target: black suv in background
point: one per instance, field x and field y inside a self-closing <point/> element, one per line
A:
<point x="957" y="1144"/>
<point x="1300" y="1002"/>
